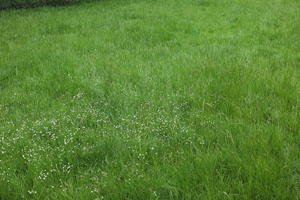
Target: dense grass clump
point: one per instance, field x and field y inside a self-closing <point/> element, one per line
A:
<point x="138" y="99"/>
<point x="5" y="4"/>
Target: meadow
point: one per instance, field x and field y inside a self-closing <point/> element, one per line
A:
<point x="151" y="99"/>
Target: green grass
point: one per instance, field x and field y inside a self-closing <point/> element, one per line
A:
<point x="151" y="99"/>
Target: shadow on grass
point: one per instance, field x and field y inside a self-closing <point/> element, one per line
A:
<point x="55" y="3"/>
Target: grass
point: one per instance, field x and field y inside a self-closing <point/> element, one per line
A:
<point x="148" y="99"/>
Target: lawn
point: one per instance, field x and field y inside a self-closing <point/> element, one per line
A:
<point x="151" y="99"/>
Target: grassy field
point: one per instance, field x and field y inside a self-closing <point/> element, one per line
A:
<point x="151" y="99"/>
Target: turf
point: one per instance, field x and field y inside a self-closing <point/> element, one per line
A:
<point x="148" y="99"/>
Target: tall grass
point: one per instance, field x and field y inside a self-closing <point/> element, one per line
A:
<point x="151" y="100"/>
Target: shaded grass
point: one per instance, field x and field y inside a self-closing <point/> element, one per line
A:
<point x="151" y="100"/>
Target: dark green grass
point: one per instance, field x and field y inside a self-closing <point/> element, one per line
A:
<point x="128" y="99"/>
